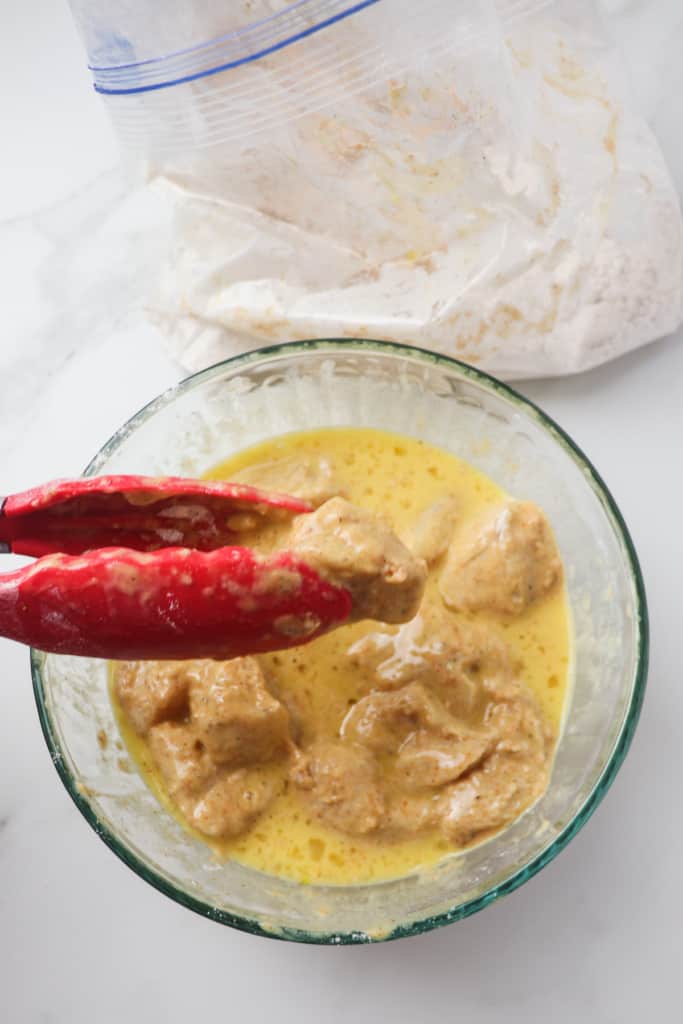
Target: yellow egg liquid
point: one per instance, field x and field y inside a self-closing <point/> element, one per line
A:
<point x="397" y="477"/>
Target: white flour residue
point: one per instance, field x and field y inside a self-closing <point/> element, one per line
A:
<point x="491" y="197"/>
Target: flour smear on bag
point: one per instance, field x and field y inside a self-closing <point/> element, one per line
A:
<point x="487" y="194"/>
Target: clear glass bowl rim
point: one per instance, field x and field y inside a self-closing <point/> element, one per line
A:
<point x="611" y="768"/>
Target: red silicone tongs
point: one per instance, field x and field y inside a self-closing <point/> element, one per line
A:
<point x="147" y="567"/>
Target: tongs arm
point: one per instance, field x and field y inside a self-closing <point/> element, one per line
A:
<point x="145" y="567"/>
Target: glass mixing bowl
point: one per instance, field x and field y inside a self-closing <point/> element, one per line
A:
<point x="363" y="383"/>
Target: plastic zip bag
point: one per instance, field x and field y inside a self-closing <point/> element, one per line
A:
<point x="462" y="176"/>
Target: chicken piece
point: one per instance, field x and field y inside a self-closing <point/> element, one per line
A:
<point x="373" y="650"/>
<point x="341" y="785"/>
<point x="411" y="813"/>
<point x="491" y="797"/>
<point x="504" y="562"/>
<point x="509" y="780"/>
<point x="151" y="692"/>
<point x="430" y="536"/>
<point x="183" y="762"/>
<point x="416" y="653"/>
<point x="519" y="727"/>
<point x="234" y="714"/>
<point x="383" y="721"/>
<point x="301" y="729"/>
<point x="432" y="746"/>
<point x="461" y="662"/>
<point x="354" y="549"/>
<point x="429" y="761"/>
<point x="485" y="658"/>
<point x="305" y="477"/>
<point x="399" y="656"/>
<point x="232" y="804"/>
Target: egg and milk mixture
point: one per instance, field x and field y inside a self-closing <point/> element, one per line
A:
<point x="375" y="749"/>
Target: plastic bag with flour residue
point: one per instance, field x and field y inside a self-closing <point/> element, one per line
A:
<point x="463" y="176"/>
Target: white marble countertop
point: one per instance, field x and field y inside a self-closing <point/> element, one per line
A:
<point x="597" y="936"/>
